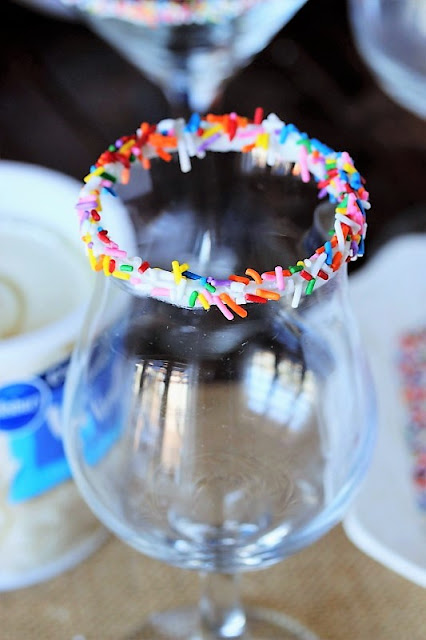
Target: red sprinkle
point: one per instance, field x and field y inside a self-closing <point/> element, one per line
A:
<point x="258" y="115"/>
<point x="144" y="266"/>
<point x="322" y="274"/>
<point x="252" y="298"/>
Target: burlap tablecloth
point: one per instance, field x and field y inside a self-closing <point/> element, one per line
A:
<point x="331" y="587"/>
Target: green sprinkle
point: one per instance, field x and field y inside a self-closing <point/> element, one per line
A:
<point x="112" y="147"/>
<point x="310" y="286"/>
<point x="132" y="157"/>
<point x="306" y="143"/>
<point x="126" y="267"/>
<point x="331" y="232"/>
<point x="295" y="269"/>
<point x="210" y="287"/>
<point x="108" y="176"/>
<point x="192" y="298"/>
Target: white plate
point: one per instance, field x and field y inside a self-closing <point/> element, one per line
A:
<point x="389" y="296"/>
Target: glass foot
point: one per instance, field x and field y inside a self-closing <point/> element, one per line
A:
<point x="183" y="624"/>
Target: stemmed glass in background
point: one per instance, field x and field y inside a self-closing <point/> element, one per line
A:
<point x="188" y="48"/>
<point x="218" y="446"/>
<point x="391" y="37"/>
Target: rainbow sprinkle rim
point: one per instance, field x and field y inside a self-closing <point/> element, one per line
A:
<point x="275" y="142"/>
<point x="170" y="12"/>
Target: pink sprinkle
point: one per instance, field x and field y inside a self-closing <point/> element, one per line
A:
<point x="83" y="215"/>
<point x="117" y="253"/>
<point x="223" y="308"/>
<point x="303" y="161"/>
<point x="346" y="158"/>
<point x="268" y="276"/>
<point x="280" y="278"/>
<point x="160" y="291"/>
<point x="208" y="296"/>
<point x="250" y="133"/>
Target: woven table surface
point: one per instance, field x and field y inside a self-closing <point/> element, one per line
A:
<point x="331" y="587"/>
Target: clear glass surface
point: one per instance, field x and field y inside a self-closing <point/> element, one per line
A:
<point x="192" y="60"/>
<point x="391" y="37"/>
<point x="212" y="445"/>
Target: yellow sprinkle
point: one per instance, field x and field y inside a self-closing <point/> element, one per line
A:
<point x="184" y="267"/>
<point x="176" y="271"/>
<point x="300" y="263"/>
<point x="121" y="275"/>
<point x="105" y="265"/>
<point x="203" y="301"/>
<point x="94" y="173"/>
<point x="349" y="168"/>
<point x="262" y="140"/>
<point x="212" y="131"/>
<point x="95" y="263"/>
<point x="126" y="146"/>
<point x="86" y="238"/>
<point x="92" y="259"/>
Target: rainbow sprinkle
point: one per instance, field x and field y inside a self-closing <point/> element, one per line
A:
<point x="333" y="171"/>
<point x="169" y="12"/>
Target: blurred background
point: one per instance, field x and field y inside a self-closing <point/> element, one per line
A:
<point x="65" y="94"/>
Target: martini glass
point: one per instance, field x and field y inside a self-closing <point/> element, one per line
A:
<point x="189" y="48"/>
<point x="238" y="431"/>
<point x="391" y="38"/>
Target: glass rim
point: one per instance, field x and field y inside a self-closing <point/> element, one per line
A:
<point x="272" y="143"/>
<point x="167" y="12"/>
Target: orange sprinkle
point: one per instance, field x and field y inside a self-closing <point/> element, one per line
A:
<point x="158" y="140"/>
<point x="255" y="275"/>
<point x="125" y="176"/>
<point x="248" y="147"/>
<point x="233" y="305"/>
<point x="163" y="154"/>
<point x="270" y="295"/>
<point x="239" y="278"/>
<point x="241" y="121"/>
<point x="336" y="261"/>
<point x="145" y="162"/>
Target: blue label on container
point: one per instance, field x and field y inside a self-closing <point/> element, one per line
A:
<point x="30" y="419"/>
<point x="30" y="416"/>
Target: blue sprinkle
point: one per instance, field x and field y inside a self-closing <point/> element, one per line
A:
<point x="193" y="123"/>
<point x="190" y="275"/>
<point x="109" y="190"/>
<point x="361" y="207"/>
<point x="328" y="250"/>
<point x="285" y="132"/>
<point x="320" y="146"/>
<point x="361" y="248"/>
<point x="355" y="180"/>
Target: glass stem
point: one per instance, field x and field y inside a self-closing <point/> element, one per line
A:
<point x="221" y="613"/>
